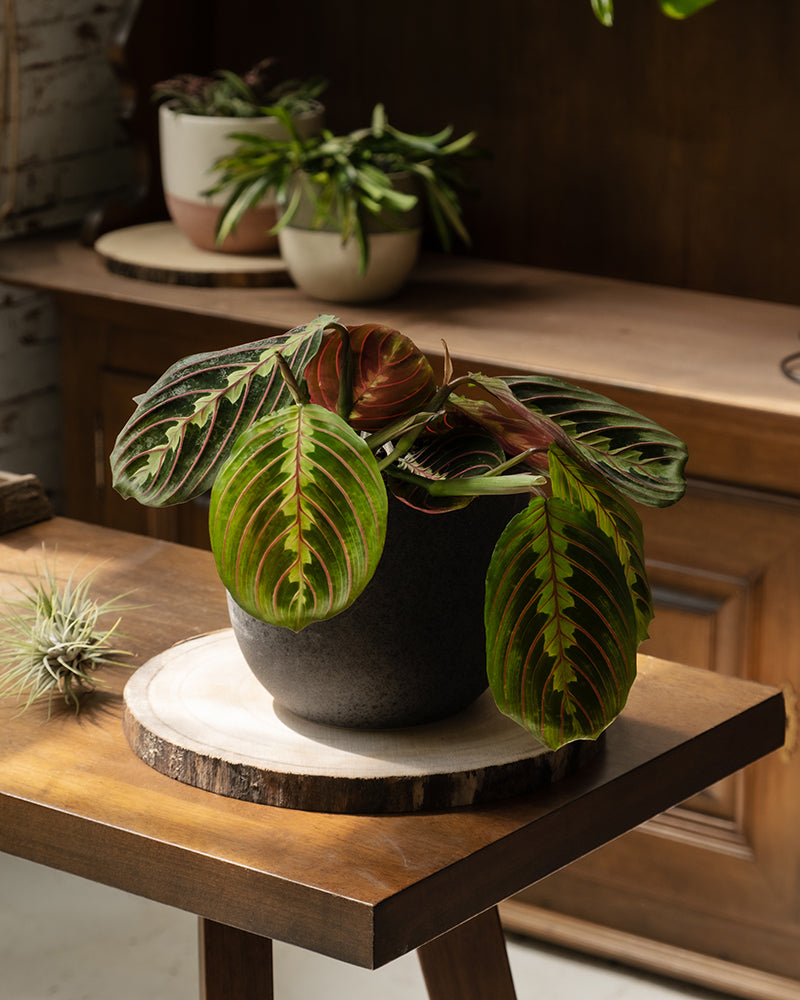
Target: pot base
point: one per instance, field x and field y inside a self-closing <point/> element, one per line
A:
<point x="197" y="714"/>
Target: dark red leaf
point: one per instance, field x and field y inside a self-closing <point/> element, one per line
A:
<point x="391" y="377"/>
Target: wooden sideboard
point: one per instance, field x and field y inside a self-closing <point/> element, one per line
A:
<point x="710" y="891"/>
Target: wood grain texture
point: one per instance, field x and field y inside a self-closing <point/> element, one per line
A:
<point x="666" y="172"/>
<point x="705" y="366"/>
<point x="197" y="713"/>
<point x="469" y="963"/>
<point x="682" y="964"/>
<point x="365" y="889"/>
<point x="234" y="965"/>
<point x="157" y="251"/>
<point x="725" y="567"/>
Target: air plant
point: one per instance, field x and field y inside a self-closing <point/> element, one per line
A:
<point x="52" y="641"/>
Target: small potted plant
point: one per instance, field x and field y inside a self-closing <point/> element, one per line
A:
<point x="197" y="114"/>
<point x="350" y="206"/>
<point x="392" y="542"/>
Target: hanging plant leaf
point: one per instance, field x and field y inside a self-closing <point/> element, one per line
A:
<point x="185" y="425"/>
<point x="447" y="451"/>
<point x="680" y="9"/>
<point x="614" y="516"/>
<point x="643" y="460"/>
<point x="391" y="377"/>
<point x="298" y="517"/>
<point x="560" y="624"/>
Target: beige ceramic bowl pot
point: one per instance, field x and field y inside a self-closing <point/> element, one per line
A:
<point x="190" y="145"/>
<point x="324" y="267"/>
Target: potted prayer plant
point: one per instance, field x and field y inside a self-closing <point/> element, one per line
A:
<point x="350" y="206"/>
<point x="197" y="115"/>
<point x="340" y="467"/>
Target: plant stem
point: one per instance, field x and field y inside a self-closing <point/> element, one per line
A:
<point x="298" y="395"/>
<point x="410" y="428"/>
<point x="344" y="403"/>
<point x="523" y="482"/>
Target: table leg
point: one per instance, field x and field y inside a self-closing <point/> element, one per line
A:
<point x="470" y="962"/>
<point x="234" y="965"/>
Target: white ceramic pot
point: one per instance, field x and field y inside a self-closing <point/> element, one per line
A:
<point x="190" y="145"/>
<point x="324" y="267"/>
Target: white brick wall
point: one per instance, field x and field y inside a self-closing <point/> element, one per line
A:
<point x="72" y="155"/>
<point x="30" y="417"/>
<point x="72" y="150"/>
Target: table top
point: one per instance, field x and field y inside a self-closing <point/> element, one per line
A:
<point x="363" y="889"/>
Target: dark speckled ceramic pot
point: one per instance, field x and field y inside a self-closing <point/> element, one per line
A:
<point x="411" y="649"/>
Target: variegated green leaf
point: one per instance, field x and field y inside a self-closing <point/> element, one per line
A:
<point x="593" y="494"/>
<point x="560" y="624"/>
<point x="643" y="460"/>
<point x="298" y="517"/>
<point x="185" y="425"/>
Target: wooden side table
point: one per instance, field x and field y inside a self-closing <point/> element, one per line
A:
<point x="363" y="889"/>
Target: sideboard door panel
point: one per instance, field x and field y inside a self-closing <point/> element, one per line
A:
<point x="719" y="874"/>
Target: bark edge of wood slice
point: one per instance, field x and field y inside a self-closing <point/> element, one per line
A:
<point x="196" y="713"/>
<point x="159" y="252"/>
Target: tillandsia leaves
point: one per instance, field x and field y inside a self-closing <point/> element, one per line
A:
<point x="298" y="517"/>
<point x="186" y="424"/>
<point x="53" y="639"/>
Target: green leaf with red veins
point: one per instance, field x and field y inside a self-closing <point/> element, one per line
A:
<point x="614" y="516"/>
<point x="560" y="624"/>
<point x="511" y="425"/>
<point x="644" y="461"/>
<point x="185" y="425"/>
<point x="392" y="378"/>
<point x="298" y="517"/>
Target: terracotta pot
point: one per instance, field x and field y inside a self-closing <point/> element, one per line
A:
<point x="190" y="145"/>
<point x="411" y="649"/>
<point x="324" y="267"/>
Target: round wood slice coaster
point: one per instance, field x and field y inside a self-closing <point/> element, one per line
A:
<point x="197" y="714"/>
<point x="157" y="251"/>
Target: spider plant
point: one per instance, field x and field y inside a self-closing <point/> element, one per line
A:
<point x="348" y="178"/>
<point x="301" y="436"/>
